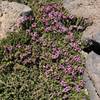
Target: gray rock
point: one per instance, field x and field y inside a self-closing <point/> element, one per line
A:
<point x="97" y="37"/>
<point x="93" y="69"/>
<point x="9" y="13"/>
<point x="90" y="87"/>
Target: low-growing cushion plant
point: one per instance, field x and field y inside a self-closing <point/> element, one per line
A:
<point x="43" y="60"/>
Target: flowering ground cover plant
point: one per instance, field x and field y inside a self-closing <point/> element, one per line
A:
<point x="43" y="60"/>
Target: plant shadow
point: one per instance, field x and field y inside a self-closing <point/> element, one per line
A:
<point x="94" y="46"/>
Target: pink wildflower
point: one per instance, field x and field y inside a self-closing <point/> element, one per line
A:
<point x="75" y="46"/>
<point x="34" y="25"/>
<point x="69" y="69"/>
<point x="63" y="83"/>
<point x="56" y="53"/>
<point x="76" y="58"/>
<point x="77" y="87"/>
<point x="67" y="89"/>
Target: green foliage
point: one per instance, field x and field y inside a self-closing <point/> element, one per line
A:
<point x="16" y="38"/>
<point x="42" y="62"/>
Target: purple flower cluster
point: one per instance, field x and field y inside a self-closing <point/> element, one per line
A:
<point x="52" y="19"/>
<point x="56" y="52"/>
<point x="67" y="88"/>
<point x="34" y="36"/>
<point x="75" y="46"/>
<point x="79" y="86"/>
<point x="25" y="56"/>
<point x="67" y="69"/>
<point x="30" y="26"/>
<point x="19" y="54"/>
<point x="63" y="83"/>
<point x="48" y="70"/>
<point x="73" y="72"/>
<point x="76" y="58"/>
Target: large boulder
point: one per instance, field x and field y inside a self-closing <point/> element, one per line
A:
<point x="9" y="13"/>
